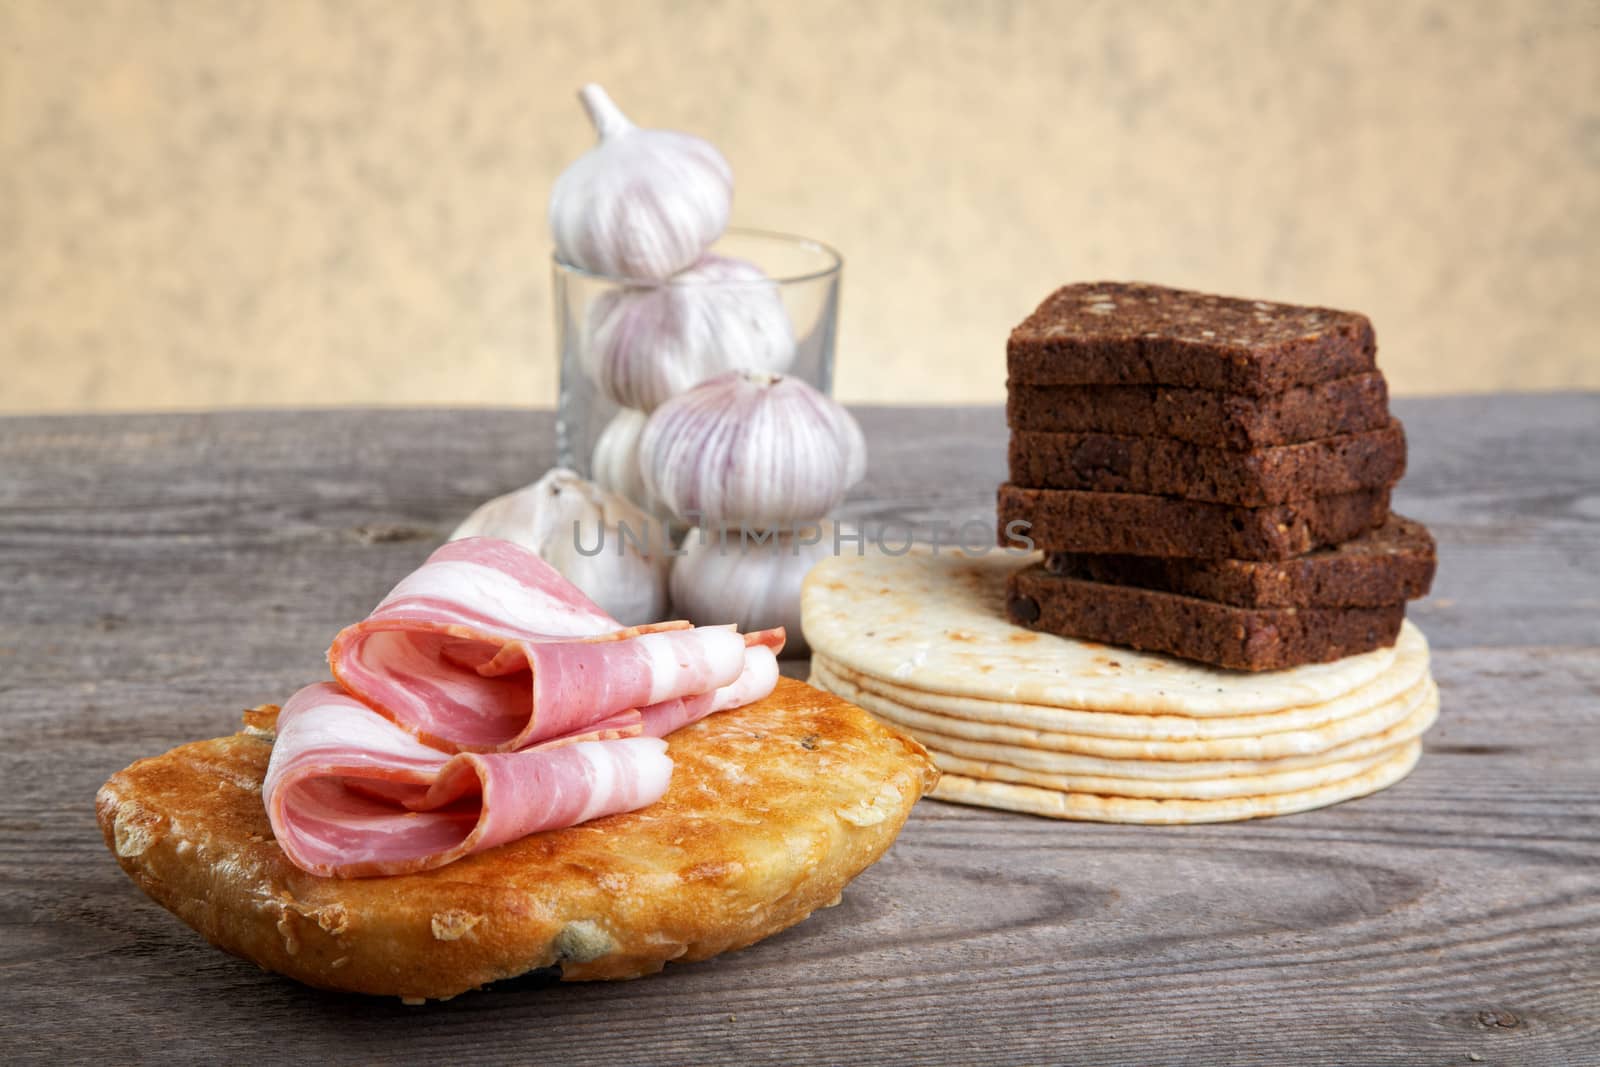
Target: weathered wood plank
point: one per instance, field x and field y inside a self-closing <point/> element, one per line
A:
<point x="159" y="573"/>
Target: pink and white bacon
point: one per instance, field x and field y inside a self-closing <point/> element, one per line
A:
<point x="487" y="648"/>
<point x="351" y="794"/>
<point x="486" y="698"/>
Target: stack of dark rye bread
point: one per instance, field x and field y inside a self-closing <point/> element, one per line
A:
<point x="1208" y="477"/>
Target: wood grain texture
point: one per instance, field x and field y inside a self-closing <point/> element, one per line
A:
<point x="159" y="573"/>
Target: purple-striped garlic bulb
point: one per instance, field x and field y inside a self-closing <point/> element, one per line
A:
<point x="642" y="204"/>
<point x="751" y="449"/>
<point x="597" y="539"/>
<point x="720" y="577"/>
<point x="614" y="463"/>
<point x="646" y="344"/>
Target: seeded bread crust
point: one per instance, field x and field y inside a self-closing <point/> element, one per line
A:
<point x="1392" y="563"/>
<point x="1130" y="333"/>
<point x="1135" y="524"/>
<point x="1203" y="416"/>
<point x="1110" y="463"/>
<point x="1245" y="639"/>
<point x="773" y="808"/>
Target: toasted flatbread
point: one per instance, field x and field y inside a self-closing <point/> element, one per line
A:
<point x="773" y="808"/>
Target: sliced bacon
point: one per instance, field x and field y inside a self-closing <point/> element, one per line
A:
<point x="628" y="723"/>
<point x="481" y="585"/>
<point x="349" y="794"/>
<point x="486" y="648"/>
<point x="758" y="678"/>
<point x="484" y="699"/>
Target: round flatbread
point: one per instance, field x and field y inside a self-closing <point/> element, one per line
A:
<point x="1092" y="807"/>
<point x="936" y="621"/>
<point x="1187" y="789"/>
<point x="773" y="808"/>
<point x="1417" y="718"/>
<point x="1287" y="743"/>
<point x="1424" y="714"/>
<point x="1410" y="666"/>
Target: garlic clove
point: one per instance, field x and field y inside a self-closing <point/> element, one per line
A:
<point x="722" y="579"/>
<point x="619" y="556"/>
<point x="753" y="449"/>
<point x="646" y="344"/>
<point x="642" y="204"/>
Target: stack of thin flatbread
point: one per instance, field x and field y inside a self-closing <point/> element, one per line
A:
<point x="1032" y="722"/>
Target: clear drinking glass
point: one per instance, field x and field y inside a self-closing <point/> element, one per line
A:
<point x="805" y="272"/>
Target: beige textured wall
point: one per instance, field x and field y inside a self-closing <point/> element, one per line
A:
<point x="321" y="201"/>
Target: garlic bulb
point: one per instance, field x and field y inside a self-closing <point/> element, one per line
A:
<point x="751" y="448"/>
<point x="641" y="204"/>
<point x="721" y="579"/>
<point x="577" y="528"/>
<point x="615" y="462"/>
<point x="646" y="344"/>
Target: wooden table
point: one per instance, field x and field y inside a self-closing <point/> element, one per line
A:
<point x="159" y="573"/>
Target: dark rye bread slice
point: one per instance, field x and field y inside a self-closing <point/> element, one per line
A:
<point x="1204" y="416"/>
<point x="1129" y="333"/>
<point x="1111" y="463"/>
<point x="1384" y="566"/>
<point x="1243" y="639"/>
<point x="1134" y="524"/>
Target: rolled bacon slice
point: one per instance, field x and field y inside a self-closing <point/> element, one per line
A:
<point x="759" y="677"/>
<point x="350" y="794"/>
<point x="484" y="699"/>
<point x="487" y="648"/>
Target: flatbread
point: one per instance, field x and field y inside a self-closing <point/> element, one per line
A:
<point x="1187" y="789"/>
<point x="1423" y="716"/>
<point x="936" y="621"/>
<point x="1420" y="716"/>
<point x="773" y="808"/>
<point x="1410" y="667"/>
<point x="1092" y="807"/>
<point x="1279" y="745"/>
